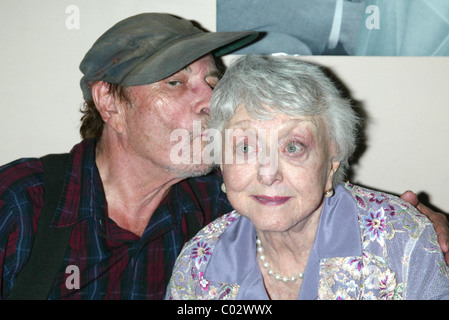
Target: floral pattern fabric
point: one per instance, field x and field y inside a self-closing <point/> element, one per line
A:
<point x="400" y="257"/>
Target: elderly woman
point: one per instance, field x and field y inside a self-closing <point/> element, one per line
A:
<point x="297" y="231"/>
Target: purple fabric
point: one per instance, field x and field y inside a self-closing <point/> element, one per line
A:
<point x="235" y="261"/>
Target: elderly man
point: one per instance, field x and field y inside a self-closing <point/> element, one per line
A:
<point x="114" y="225"/>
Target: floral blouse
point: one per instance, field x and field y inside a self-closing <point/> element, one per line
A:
<point x="369" y="245"/>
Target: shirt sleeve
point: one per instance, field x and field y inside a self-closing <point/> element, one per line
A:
<point x="428" y="274"/>
<point x="21" y="201"/>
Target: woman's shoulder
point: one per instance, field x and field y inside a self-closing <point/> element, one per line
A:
<point x="383" y="215"/>
<point x="397" y="240"/>
<point x="204" y="242"/>
<point x="393" y="207"/>
<point x="187" y="280"/>
<point x="212" y="232"/>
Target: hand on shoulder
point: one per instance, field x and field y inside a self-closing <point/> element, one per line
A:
<point x="439" y="220"/>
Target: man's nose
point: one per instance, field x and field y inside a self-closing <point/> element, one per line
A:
<point x="204" y="94"/>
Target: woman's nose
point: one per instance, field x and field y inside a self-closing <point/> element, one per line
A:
<point x="270" y="173"/>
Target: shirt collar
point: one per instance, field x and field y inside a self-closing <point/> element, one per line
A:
<point x="235" y="261"/>
<point x="339" y="230"/>
<point x="81" y="177"/>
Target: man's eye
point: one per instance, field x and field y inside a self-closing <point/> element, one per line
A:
<point x="212" y="82"/>
<point x="174" y="83"/>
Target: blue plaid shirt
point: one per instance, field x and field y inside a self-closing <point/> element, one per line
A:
<point x="113" y="263"/>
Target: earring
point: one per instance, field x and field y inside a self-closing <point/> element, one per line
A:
<point x="329" y="193"/>
<point x="223" y="187"/>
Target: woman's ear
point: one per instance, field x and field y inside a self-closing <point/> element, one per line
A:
<point x="108" y="106"/>
<point x="334" y="165"/>
<point x="333" y="168"/>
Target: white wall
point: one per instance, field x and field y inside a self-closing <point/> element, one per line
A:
<point x="406" y="98"/>
<point x="407" y="102"/>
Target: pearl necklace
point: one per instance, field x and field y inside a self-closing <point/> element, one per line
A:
<point x="266" y="265"/>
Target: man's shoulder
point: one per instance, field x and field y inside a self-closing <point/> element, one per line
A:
<point x="21" y="196"/>
<point x="21" y="163"/>
<point x="20" y="175"/>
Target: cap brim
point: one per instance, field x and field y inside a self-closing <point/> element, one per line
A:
<point x="183" y="51"/>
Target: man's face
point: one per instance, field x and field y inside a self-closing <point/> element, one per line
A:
<point x="180" y="101"/>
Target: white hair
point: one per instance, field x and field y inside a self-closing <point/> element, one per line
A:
<point x="289" y="86"/>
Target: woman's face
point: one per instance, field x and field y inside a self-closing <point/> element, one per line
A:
<point x="287" y="169"/>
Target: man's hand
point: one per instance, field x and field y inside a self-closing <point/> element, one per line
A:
<point x="439" y="220"/>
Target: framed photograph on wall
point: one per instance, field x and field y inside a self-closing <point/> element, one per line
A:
<point x="341" y="27"/>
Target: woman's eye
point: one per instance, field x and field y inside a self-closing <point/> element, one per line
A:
<point x="246" y="148"/>
<point x="293" y="148"/>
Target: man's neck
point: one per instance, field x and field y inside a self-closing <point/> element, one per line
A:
<point x="133" y="187"/>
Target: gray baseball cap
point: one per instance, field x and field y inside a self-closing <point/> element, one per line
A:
<point x="149" y="47"/>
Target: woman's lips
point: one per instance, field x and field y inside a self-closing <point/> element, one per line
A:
<point x="271" y="201"/>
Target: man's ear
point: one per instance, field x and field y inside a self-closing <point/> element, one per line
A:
<point x="108" y="106"/>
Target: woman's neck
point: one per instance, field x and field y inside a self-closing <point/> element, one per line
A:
<point x="286" y="253"/>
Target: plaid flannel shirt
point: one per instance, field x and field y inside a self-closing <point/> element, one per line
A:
<point x="113" y="263"/>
